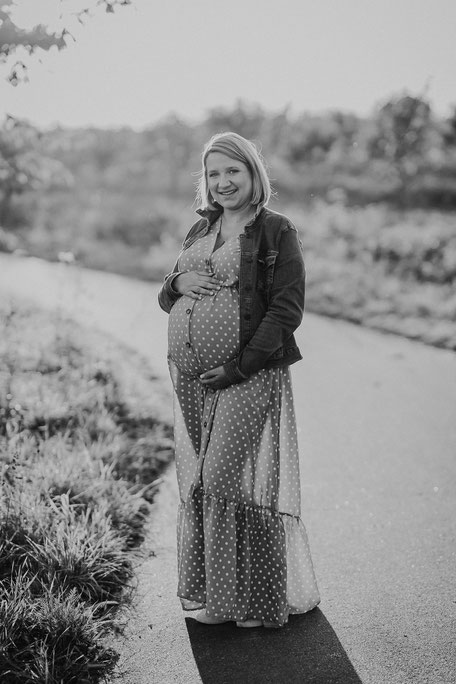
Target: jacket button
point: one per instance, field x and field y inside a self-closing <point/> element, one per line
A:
<point x="189" y="311"/>
<point x="187" y="344"/>
<point x="205" y="423"/>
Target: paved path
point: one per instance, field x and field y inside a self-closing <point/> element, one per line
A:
<point x="377" y="422"/>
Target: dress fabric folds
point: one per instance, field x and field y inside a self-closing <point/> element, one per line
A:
<point x="242" y="546"/>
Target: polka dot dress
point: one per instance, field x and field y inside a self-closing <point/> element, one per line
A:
<point x="242" y="547"/>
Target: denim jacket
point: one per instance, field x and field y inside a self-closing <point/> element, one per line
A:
<point x="271" y="291"/>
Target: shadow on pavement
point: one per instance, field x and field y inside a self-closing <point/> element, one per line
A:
<point x="306" y="651"/>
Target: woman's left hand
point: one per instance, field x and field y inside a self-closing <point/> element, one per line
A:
<point x="215" y="379"/>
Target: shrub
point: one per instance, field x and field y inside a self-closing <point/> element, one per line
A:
<point x="74" y="495"/>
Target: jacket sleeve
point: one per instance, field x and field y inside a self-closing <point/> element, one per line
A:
<point x="167" y="295"/>
<point x="284" y="313"/>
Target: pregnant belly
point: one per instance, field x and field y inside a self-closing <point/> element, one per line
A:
<point x="204" y="333"/>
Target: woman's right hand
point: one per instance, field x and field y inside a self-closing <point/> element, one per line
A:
<point x="196" y="284"/>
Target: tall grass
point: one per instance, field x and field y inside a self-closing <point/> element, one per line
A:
<point x="383" y="268"/>
<point x="79" y="462"/>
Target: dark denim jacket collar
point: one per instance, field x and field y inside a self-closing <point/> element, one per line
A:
<point x="212" y="215"/>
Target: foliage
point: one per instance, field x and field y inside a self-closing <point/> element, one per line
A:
<point x="50" y="635"/>
<point x="389" y="180"/>
<point x="384" y="268"/>
<point x="73" y="503"/>
<point x="402" y="137"/>
<point x="24" y="165"/>
<point x="40" y="38"/>
<point x="245" y="119"/>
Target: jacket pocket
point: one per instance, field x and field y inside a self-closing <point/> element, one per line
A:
<point x="266" y="265"/>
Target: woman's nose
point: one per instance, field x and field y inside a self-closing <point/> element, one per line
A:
<point x="224" y="182"/>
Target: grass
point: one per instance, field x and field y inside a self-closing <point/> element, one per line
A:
<point x="82" y="443"/>
<point x="54" y="635"/>
<point x="378" y="266"/>
<point x="382" y="268"/>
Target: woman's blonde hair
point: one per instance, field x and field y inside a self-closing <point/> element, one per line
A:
<point x="243" y="150"/>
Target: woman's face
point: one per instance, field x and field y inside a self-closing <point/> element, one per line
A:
<point x="229" y="181"/>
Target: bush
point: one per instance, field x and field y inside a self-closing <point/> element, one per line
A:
<point x="386" y="269"/>
<point x="50" y="635"/>
<point x="74" y="498"/>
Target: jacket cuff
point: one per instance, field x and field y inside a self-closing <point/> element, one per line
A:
<point x="167" y="295"/>
<point x="171" y="294"/>
<point x="233" y="372"/>
<point x="169" y="284"/>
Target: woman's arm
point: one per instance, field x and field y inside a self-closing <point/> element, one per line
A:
<point x="193" y="284"/>
<point x="284" y="313"/>
<point x="167" y="295"/>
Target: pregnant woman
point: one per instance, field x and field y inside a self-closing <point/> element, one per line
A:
<point x="235" y="298"/>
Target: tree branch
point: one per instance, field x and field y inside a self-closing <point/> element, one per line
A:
<point x="13" y="37"/>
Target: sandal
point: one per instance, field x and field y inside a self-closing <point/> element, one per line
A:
<point x="249" y="623"/>
<point x="271" y="625"/>
<point x="205" y="619"/>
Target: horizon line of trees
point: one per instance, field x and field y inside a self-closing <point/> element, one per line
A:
<point x="403" y="154"/>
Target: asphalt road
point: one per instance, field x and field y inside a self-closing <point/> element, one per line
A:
<point x="377" y="427"/>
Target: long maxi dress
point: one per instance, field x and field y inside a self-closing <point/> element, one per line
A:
<point x="243" y="551"/>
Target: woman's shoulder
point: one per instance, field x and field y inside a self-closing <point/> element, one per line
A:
<point x="198" y="225"/>
<point x="201" y="226"/>
<point x="197" y="228"/>
<point x="276" y="220"/>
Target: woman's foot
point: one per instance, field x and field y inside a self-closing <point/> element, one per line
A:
<point x="249" y="623"/>
<point x="271" y="625"/>
<point x="203" y="617"/>
<point x="191" y="605"/>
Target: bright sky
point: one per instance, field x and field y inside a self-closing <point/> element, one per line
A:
<point x="186" y="56"/>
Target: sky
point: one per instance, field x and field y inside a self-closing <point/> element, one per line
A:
<point x="148" y="60"/>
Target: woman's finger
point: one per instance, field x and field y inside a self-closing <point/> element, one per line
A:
<point x="204" y="289"/>
<point x="209" y="283"/>
<point x="210" y="277"/>
<point x="212" y="284"/>
<point x="208" y="375"/>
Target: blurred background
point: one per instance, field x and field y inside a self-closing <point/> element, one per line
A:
<point x="105" y="106"/>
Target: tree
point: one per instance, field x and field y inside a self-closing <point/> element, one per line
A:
<point x="449" y="129"/>
<point x="244" y="118"/>
<point x="401" y="137"/>
<point x="23" y="166"/>
<point x="13" y="38"/>
<point x="310" y="139"/>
